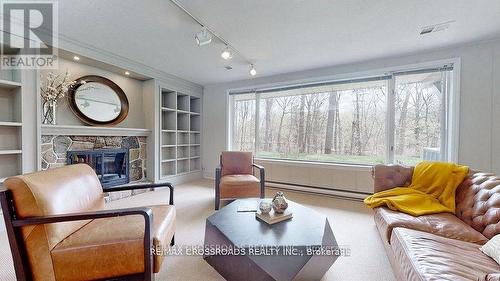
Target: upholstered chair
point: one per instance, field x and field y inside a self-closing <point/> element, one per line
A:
<point x="60" y="228"/>
<point x="234" y="178"/>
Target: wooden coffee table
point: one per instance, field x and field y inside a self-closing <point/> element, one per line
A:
<point x="257" y="251"/>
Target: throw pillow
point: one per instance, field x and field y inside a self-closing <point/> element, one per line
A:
<point x="492" y="248"/>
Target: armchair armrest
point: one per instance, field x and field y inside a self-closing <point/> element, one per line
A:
<point x="143" y="186"/>
<point x="262" y="174"/>
<point x="258" y="166"/>
<point x="147" y="213"/>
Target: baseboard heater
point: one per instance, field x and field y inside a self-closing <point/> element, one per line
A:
<point x="339" y="193"/>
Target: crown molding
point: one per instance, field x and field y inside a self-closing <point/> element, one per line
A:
<point x="81" y="48"/>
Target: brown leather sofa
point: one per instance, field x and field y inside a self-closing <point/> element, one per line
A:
<point x="59" y="228"/>
<point x="234" y="178"/>
<point x="441" y="246"/>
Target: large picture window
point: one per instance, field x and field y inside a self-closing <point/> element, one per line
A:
<point x="402" y="118"/>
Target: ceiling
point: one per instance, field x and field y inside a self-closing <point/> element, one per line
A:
<point x="280" y="36"/>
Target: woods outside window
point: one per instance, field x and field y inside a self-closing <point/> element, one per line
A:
<point x="402" y="117"/>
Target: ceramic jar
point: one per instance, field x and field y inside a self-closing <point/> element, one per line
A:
<point x="279" y="203"/>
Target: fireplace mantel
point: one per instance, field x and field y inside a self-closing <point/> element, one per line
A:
<point x="70" y="130"/>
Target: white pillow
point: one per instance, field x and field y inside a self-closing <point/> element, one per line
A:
<point x="492" y="248"/>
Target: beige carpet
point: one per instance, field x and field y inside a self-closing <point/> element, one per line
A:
<point x="352" y="225"/>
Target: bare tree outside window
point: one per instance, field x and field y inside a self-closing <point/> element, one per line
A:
<point x="418" y="107"/>
<point x="244" y="125"/>
<point x="342" y="123"/>
<point x="345" y="123"/>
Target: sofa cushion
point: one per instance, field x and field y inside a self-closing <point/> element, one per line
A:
<point x="112" y="247"/>
<point x="424" y="256"/>
<point x="478" y="203"/>
<point x="237" y="186"/>
<point x="444" y="224"/>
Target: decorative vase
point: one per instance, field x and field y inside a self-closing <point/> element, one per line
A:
<point x="279" y="203"/>
<point x="265" y="207"/>
<point x="49" y="112"/>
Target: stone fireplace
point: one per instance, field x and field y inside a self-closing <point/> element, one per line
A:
<point x="55" y="148"/>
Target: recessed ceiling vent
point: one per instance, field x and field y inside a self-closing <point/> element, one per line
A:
<point x="435" y="27"/>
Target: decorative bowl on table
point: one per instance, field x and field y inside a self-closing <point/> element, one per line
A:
<point x="265" y="207"/>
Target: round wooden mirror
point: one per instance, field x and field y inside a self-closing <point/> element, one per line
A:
<point x="98" y="101"/>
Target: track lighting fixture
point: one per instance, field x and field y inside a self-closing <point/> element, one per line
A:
<point x="227" y="54"/>
<point x="203" y="37"/>
<point x="253" y="71"/>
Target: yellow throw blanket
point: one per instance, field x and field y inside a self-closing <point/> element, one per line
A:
<point x="432" y="190"/>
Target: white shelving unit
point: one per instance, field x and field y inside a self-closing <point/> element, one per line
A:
<point x="11" y="124"/>
<point x="180" y="137"/>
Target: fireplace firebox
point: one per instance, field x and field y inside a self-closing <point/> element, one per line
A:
<point x="110" y="165"/>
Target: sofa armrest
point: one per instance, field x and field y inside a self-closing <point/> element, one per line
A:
<point x="490" y="277"/>
<point x="143" y="186"/>
<point x="389" y="176"/>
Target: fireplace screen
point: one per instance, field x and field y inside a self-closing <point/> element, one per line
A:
<point x="110" y="165"/>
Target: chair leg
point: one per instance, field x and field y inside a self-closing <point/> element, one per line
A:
<point x="217" y="187"/>
<point x="173" y="241"/>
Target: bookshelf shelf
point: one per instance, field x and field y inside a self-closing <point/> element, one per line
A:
<point x="180" y="137"/>
<point x="11" y="127"/>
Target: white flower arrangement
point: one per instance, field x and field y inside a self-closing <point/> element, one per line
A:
<point x="55" y="87"/>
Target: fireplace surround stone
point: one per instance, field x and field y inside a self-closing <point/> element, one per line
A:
<point x="55" y="147"/>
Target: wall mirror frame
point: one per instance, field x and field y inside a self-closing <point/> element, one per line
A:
<point x="90" y="94"/>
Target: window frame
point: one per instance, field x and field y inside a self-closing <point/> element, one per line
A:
<point x="450" y="132"/>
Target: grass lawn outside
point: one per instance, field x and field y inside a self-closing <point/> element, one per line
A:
<point x="337" y="158"/>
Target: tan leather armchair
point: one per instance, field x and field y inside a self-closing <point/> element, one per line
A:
<point x="234" y="178"/>
<point x="59" y="228"/>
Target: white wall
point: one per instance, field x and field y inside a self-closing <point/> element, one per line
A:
<point x="479" y="140"/>
<point x="131" y="87"/>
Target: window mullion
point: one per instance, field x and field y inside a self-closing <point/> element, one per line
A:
<point x="390" y="119"/>
<point x="231" y="137"/>
<point x="257" y="122"/>
<point x="444" y="115"/>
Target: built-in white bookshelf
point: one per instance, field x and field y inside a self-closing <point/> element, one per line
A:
<point x="11" y="124"/>
<point x="180" y="137"/>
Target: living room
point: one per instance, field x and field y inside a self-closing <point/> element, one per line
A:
<point x="250" y="140"/>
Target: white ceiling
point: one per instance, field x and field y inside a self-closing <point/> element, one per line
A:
<point x="279" y="35"/>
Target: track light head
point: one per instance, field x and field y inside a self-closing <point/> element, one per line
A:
<point x="203" y="37"/>
<point x="226" y="54"/>
<point x="253" y="71"/>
